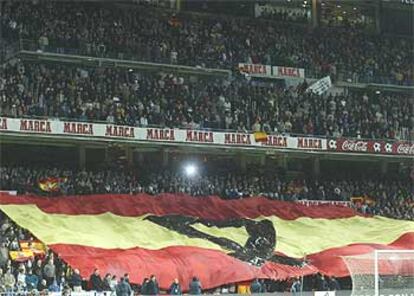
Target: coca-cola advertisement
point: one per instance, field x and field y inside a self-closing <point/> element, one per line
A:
<point x="371" y="146"/>
<point x="403" y="148"/>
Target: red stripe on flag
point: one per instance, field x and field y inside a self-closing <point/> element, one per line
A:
<point x="212" y="207"/>
<point x="214" y="268"/>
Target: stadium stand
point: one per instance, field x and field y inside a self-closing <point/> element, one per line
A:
<point x="292" y="181"/>
<point x="218" y="42"/>
<point x="137" y="98"/>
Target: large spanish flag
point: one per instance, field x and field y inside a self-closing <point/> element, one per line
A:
<point x="176" y="236"/>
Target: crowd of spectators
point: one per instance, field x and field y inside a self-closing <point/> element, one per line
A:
<point x="150" y="34"/>
<point x="136" y="98"/>
<point x="390" y="198"/>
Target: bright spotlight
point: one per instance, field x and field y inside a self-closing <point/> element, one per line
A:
<point x="190" y="170"/>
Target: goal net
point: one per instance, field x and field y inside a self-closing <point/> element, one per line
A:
<point x="382" y="272"/>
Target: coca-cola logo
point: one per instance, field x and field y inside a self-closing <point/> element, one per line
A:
<point x="405" y="149"/>
<point x="349" y="145"/>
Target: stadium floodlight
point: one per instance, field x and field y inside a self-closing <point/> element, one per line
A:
<point x="190" y="170"/>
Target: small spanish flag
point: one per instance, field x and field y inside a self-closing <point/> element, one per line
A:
<point x="21" y="256"/>
<point x="38" y="248"/>
<point x="51" y="184"/>
<point x="260" y="137"/>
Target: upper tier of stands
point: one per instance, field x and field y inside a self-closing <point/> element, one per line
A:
<point x="149" y="34"/>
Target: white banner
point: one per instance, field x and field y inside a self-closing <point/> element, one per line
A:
<point x="320" y="86"/>
<point x="101" y="131"/>
<point x="11" y="192"/>
<point x="309" y="203"/>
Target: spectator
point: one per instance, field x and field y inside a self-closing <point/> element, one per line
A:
<point x="21" y="279"/>
<point x="37" y="270"/>
<point x="61" y="280"/>
<point x="107" y="282"/>
<point x="76" y="281"/>
<point x="322" y="283"/>
<point x="195" y="287"/>
<point x="334" y="284"/>
<point x="54" y="287"/>
<point x="152" y="286"/>
<point x="2" y="285"/>
<point x="123" y="288"/>
<point x="113" y="283"/>
<point x="126" y="278"/>
<point x="96" y="281"/>
<point x="9" y="281"/>
<point x="295" y="289"/>
<point x="4" y="254"/>
<point x="255" y="287"/>
<point x="175" y="288"/>
<point x="144" y="287"/>
<point x="32" y="281"/>
<point x="49" y="272"/>
<point x="42" y="285"/>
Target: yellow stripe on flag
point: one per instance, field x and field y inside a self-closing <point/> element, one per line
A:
<point x="294" y="237"/>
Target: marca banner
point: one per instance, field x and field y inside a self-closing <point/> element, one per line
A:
<point x="320" y="86"/>
<point x="288" y="72"/>
<point x="271" y="71"/>
<point x="255" y="69"/>
<point x="99" y="131"/>
<point x="221" y="242"/>
<point x="371" y="146"/>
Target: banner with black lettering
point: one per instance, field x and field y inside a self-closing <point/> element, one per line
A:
<point x="320" y="86"/>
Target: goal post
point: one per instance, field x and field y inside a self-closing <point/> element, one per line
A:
<point x="381" y="272"/>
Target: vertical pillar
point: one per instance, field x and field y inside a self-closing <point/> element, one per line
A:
<point x="378" y="10"/>
<point x="284" y="162"/>
<point x="314" y="13"/>
<point x="316" y="167"/>
<point x="82" y="156"/>
<point x="262" y="160"/>
<point x="140" y="157"/>
<point x="243" y="163"/>
<point x="165" y="158"/>
<point x="384" y="168"/>
<point x="177" y="4"/>
<point x="129" y="155"/>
